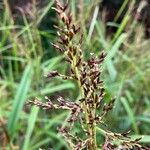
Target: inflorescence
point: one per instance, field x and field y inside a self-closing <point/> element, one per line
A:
<point x="87" y="74"/>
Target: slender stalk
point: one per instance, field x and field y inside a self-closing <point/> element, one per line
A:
<point x="91" y="129"/>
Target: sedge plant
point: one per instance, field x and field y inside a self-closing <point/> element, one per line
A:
<point x="89" y="110"/>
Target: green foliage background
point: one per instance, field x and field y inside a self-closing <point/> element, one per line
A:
<point x="26" y="56"/>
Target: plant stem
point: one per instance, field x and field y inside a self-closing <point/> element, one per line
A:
<point x="91" y="129"/>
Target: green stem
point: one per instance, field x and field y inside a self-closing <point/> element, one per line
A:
<point x="92" y="145"/>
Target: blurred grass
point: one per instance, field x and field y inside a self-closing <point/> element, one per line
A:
<point x="31" y="124"/>
<point x="25" y="57"/>
<point x="19" y="100"/>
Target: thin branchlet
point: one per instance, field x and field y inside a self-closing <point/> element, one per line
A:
<point x="87" y="74"/>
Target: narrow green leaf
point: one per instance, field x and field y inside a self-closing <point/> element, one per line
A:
<point x="31" y="124"/>
<point x="101" y="38"/>
<point x="20" y="98"/>
<point x="130" y="113"/>
<point x="114" y="49"/>
<point x="111" y="53"/>
<point x="45" y="11"/>
<point x="144" y="119"/>
<point x="51" y="64"/>
<point x="111" y="69"/>
<point x="57" y="88"/>
<point x="93" y="22"/>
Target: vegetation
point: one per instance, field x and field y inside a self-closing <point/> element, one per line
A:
<point x="26" y="56"/>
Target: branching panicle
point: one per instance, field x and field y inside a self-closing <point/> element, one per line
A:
<point x="87" y="75"/>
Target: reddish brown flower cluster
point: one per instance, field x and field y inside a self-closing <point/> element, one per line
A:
<point x="78" y="144"/>
<point x="124" y="142"/>
<point x="91" y="91"/>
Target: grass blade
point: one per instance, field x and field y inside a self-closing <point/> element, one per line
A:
<point x="111" y="53"/>
<point x="45" y="12"/>
<point x="93" y="22"/>
<point x="31" y="123"/>
<point x="57" y="88"/>
<point x="20" y="98"/>
<point x="130" y="114"/>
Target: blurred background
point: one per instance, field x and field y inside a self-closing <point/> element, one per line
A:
<point x="121" y="28"/>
